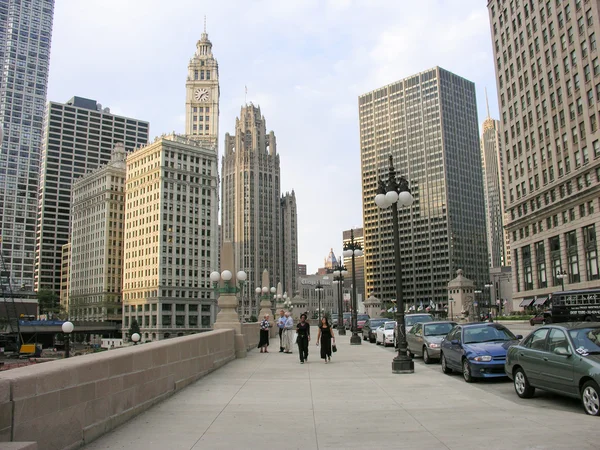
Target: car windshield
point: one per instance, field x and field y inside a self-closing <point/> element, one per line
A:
<point x="389" y="326"/>
<point x="363" y="317"/>
<point x="376" y="323"/>
<point x="411" y="320"/>
<point x="438" y="329"/>
<point x="487" y="333"/>
<point x="586" y="340"/>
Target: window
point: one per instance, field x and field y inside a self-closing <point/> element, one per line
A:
<point x="557" y="339"/>
<point x="540" y="257"/>
<point x="591" y="252"/>
<point x="537" y="340"/>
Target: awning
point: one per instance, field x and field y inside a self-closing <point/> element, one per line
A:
<point x="540" y="301"/>
<point x="526" y="302"/>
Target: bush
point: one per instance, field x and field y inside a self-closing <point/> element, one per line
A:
<point x="253" y="318"/>
<point x="514" y="317"/>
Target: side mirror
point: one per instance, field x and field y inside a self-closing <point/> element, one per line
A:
<point x="519" y="336"/>
<point x="455" y="342"/>
<point x="562" y="351"/>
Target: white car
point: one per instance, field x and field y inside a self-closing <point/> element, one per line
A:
<point x="385" y="334"/>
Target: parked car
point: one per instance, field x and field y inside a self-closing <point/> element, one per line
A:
<point x="385" y="334"/>
<point x="478" y="350"/>
<point x="564" y="359"/>
<point x="541" y="318"/>
<point x="360" y="321"/>
<point x="368" y="329"/>
<point x="334" y="320"/>
<point x="425" y="339"/>
<point x="410" y="320"/>
<point x="347" y="320"/>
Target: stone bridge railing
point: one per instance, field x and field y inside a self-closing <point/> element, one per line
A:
<point x="67" y="403"/>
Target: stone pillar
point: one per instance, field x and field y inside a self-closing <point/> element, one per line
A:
<point x="299" y="305"/>
<point x="460" y="290"/>
<point x="228" y="317"/>
<point x="373" y="306"/>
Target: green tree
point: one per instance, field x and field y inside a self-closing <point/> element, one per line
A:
<point x="47" y="301"/>
<point x="135" y="328"/>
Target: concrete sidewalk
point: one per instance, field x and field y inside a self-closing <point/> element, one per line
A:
<point x="271" y="401"/>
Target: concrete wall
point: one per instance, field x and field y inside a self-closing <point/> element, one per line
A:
<point x="67" y="403"/>
<point x="251" y="332"/>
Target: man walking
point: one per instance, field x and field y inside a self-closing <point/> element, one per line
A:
<point x="288" y="333"/>
<point x="303" y="338"/>
<point x="281" y="326"/>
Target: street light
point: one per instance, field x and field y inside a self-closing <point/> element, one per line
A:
<point x="397" y="192"/>
<point x="319" y="290"/>
<point x="67" y="329"/>
<point x="338" y="276"/>
<point x="135" y="337"/>
<point x="561" y="275"/>
<point x="488" y="301"/>
<point x="476" y="304"/>
<point x="229" y="288"/>
<point x="353" y="249"/>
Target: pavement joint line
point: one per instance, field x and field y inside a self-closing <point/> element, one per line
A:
<point x="401" y="407"/>
<point x="312" y="400"/>
<point x="229" y="402"/>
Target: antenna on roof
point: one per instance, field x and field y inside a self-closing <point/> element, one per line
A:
<point x="205" y="24"/>
<point x="487" y="104"/>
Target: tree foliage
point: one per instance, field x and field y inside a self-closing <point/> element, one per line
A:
<point x="48" y="301"/>
<point x="135" y="328"/>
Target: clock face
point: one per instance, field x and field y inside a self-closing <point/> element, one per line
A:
<point x="201" y="95"/>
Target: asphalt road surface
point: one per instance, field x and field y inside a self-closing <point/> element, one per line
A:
<point x="503" y="387"/>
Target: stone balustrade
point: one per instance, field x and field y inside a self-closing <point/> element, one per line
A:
<point x="67" y="403"/>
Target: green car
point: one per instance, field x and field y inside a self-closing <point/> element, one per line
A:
<point x="562" y="358"/>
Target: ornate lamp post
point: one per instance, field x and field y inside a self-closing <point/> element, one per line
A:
<point x="229" y="288"/>
<point x="353" y="249"/>
<point x="561" y="275"/>
<point x="477" y="293"/>
<point x="397" y="192"/>
<point x="319" y="290"/>
<point x="338" y="276"/>
<point x="288" y="304"/>
<point x="135" y="337"/>
<point x="488" y="300"/>
<point x="67" y="329"/>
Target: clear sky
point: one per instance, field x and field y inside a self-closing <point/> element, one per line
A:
<point x="305" y="62"/>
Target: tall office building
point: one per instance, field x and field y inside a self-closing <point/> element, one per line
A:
<point x="548" y="77"/>
<point x="171" y="206"/>
<point x="79" y="137"/>
<point x="25" y="35"/>
<point x="65" y="273"/>
<point x="359" y="263"/>
<point x="289" y="242"/>
<point x="428" y="124"/>
<point x="98" y="213"/>
<point x="491" y="156"/>
<point x="250" y="193"/>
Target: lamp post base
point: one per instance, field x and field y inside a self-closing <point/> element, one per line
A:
<point x="355" y="340"/>
<point x="403" y="366"/>
<point x="342" y="331"/>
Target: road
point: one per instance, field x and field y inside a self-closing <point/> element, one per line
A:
<point x="503" y="387"/>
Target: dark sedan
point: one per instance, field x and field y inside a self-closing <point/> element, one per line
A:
<point x="564" y="359"/>
<point x="368" y="329"/>
<point x="478" y="350"/>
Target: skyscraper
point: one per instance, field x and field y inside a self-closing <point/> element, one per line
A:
<point x="79" y="136"/>
<point x="491" y="156"/>
<point x="25" y="35"/>
<point x="548" y="77"/>
<point x="428" y="123"/>
<point x="289" y="242"/>
<point x="250" y="192"/>
<point x="96" y="269"/>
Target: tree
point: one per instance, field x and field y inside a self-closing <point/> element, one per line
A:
<point x="47" y="301"/>
<point x="135" y="328"/>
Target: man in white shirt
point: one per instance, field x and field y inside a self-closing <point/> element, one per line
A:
<point x="288" y="333"/>
<point x="281" y="326"/>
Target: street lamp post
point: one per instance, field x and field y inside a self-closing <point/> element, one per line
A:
<point x="476" y="304"/>
<point x="229" y="288"/>
<point x="397" y="192"/>
<point x="135" y="337"/>
<point x="488" y="294"/>
<point x="67" y="329"/>
<point x="319" y="290"/>
<point x="353" y="249"/>
<point x="561" y="275"/>
<point x="451" y="301"/>
<point x="339" y="273"/>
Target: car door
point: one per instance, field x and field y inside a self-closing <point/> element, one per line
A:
<point x="454" y="350"/>
<point x="531" y="356"/>
<point x="418" y="339"/>
<point x="558" y="370"/>
<point x="410" y="339"/>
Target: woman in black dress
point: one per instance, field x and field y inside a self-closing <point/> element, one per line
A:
<point x="264" y="334"/>
<point x="325" y="337"/>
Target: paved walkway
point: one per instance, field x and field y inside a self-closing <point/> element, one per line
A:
<point x="271" y="401"/>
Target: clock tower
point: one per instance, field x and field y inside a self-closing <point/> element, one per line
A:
<point x="202" y="94"/>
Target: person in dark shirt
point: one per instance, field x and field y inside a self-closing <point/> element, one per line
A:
<point x="303" y="338"/>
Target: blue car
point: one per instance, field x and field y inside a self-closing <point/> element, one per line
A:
<point x="478" y="350"/>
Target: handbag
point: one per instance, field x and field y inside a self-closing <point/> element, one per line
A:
<point x="333" y="347"/>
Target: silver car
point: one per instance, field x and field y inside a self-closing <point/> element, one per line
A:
<point x="424" y="339"/>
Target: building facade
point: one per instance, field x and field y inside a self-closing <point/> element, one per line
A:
<point x="25" y="35"/>
<point x="289" y="242"/>
<point x="79" y="136"/>
<point x="359" y="264"/>
<point x="65" y="274"/>
<point x="170" y="247"/>
<point x="251" y="201"/>
<point x="428" y="124"/>
<point x="548" y="78"/>
<point x="97" y="242"/>
<point x="491" y="156"/>
<point x="329" y="296"/>
<point x="301" y="269"/>
<point x="202" y="95"/>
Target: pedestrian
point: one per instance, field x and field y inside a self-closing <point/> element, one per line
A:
<point x="288" y="333"/>
<point x="326" y="338"/>
<point x="303" y="338"/>
<point x="263" y="343"/>
<point x="281" y="326"/>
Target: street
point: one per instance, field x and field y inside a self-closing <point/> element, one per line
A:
<point x="503" y="387"/>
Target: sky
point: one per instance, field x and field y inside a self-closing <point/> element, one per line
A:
<point x="304" y="62"/>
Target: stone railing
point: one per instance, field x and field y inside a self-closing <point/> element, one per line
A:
<point x="68" y="403"/>
<point x="251" y="332"/>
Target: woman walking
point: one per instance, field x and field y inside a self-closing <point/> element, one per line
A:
<point x="326" y="337"/>
<point x="264" y="334"/>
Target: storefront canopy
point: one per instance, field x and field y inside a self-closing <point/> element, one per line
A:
<point x="540" y="301"/>
<point x="526" y="302"/>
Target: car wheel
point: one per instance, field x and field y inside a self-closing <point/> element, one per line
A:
<point x="376" y="341"/>
<point x="426" y="358"/>
<point x="371" y="340"/>
<point x="466" y="371"/>
<point x="590" y="398"/>
<point x="522" y="386"/>
<point x="445" y="367"/>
